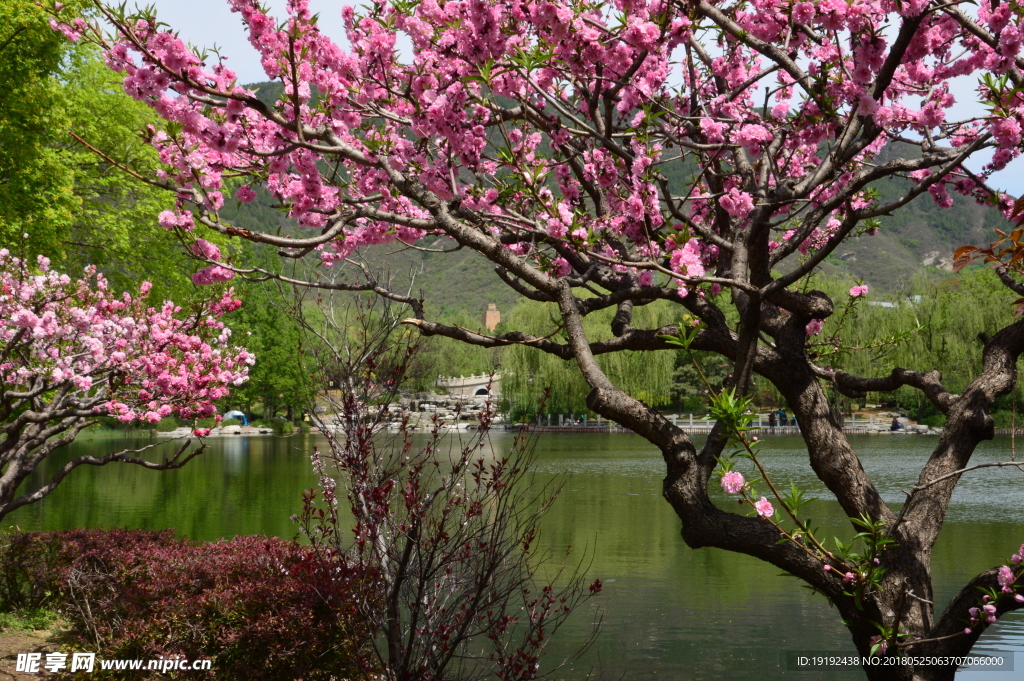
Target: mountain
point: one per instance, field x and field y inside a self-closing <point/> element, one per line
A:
<point x="917" y="241"/>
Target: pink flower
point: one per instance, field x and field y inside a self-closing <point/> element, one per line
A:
<point x="560" y="267"/>
<point x="687" y="260"/>
<point x="212" y="275"/>
<point x="858" y="291"/>
<point x="641" y="34"/>
<point x="713" y="130"/>
<point x="1006" y="578"/>
<point x="733" y="482"/>
<point x="867" y="105"/>
<point x="201" y="432"/>
<point x="764" y="508"/>
<point x="813" y="327"/>
<point x="81" y="332"/>
<point x="736" y="203"/>
<point x="751" y="137"/>
<point x="167" y="219"/>
<point x="205" y="249"/>
<point x="1007" y="131"/>
<point x="245" y="194"/>
<point x="803" y="12"/>
<point x="25" y="318"/>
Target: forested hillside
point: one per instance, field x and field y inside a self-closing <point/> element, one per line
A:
<point x="916" y="243"/>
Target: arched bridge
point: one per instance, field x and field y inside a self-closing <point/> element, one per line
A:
<point x="471" y="386"/>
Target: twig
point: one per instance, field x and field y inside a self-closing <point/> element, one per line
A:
<point x="108" y="159"/>
<point x="1019" y="465"/>
<point x="906" y="644"/>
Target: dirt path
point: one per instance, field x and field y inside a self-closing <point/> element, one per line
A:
<point x="14" y="642"/>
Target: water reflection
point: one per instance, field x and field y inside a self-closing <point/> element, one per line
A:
<point x="669" y="612"/>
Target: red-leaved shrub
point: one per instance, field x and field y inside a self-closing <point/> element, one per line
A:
<point x="260" y="607"/>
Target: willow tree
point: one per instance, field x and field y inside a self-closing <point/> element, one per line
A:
<point x="553" y="139"/>
<point x="941" y="323"/>
<point x="533" y="382"/>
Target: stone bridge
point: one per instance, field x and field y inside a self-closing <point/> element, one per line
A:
<point x="471" y="386"/>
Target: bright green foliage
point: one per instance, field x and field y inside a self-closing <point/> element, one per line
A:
<point x="527" y="373"/>
<point x="936" y="326"/>
<point x="116" y="225"/>
<point x="77" y="207"/>
<point x="283" y="377"/>
<point x="29" y="620"/>
<point x="36" y="187"/>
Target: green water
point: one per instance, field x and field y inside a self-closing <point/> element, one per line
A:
<point x="668" y="611"/>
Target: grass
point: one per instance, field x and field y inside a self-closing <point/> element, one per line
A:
<point x="29" y="620"/>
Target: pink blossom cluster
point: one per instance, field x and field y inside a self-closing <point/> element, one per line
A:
<point x="1007" y="579"/>
<point x="523" y="152"/>
<point x="987" y="610"/>
<point x="144" y="362"/>
<point x="858" y="291"/>
<point x="214" y="274"/>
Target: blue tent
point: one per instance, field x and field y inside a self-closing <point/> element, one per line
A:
<point x="237" y="415"/>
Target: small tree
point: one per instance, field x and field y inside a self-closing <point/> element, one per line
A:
<point x="71" y="352"/>
<point x="608" y="155"/>
<point x="444" y="525"/>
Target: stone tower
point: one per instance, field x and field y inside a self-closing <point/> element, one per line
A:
<point x="492" y="317"/>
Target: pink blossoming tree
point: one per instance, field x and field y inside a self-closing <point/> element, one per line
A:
<point x="548" y="136"/>
<point x="72" y="351"/>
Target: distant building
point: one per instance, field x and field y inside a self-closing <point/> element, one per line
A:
<point x="492" y="317"/>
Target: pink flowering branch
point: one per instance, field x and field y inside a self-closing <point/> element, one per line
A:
<point x="551" y="139"/>
<point x="72" y="351"/>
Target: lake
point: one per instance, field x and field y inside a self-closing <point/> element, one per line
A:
<point x="668" y="611"/>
